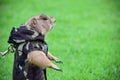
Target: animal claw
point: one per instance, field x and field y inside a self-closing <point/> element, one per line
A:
<point x="58" y="70"/>
<point x="59" y="61"/>
<point x="53" y="66"/>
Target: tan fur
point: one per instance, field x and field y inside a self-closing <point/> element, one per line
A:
<point x="42" y="24"/>
<point x="39" y="58"/>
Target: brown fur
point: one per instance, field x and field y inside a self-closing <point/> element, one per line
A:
<point x="42" y="24"/>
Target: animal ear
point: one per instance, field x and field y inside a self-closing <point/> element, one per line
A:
<point x="33" y="21"/>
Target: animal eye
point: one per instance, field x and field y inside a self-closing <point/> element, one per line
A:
<point x="44" y="18"/>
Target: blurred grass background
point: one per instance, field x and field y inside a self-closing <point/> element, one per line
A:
<point x="86" y="36"/>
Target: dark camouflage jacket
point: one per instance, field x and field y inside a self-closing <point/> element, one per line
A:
<point x="24" y="41"/>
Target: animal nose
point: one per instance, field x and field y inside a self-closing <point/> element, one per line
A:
<point x="53" y="19"/>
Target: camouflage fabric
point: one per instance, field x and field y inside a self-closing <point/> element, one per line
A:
<point x="25" y="41"/>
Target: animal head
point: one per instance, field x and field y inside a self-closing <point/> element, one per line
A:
<point x="42" y="23"/>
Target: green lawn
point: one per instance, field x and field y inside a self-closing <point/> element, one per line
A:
<point x="86" y="36"/>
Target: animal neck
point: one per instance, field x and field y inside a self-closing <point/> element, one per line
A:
<point x="41" y="30"/>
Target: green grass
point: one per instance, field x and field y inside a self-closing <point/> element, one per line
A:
<point x="86" y="36"/>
